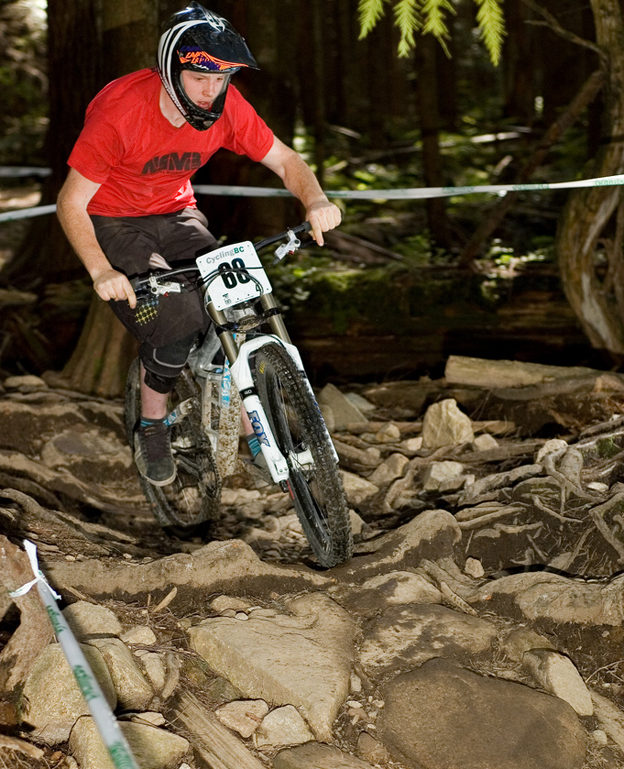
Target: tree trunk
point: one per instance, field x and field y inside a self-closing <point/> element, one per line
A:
<point x="430" y="130"/>
<point x="268" y="29"/>
<point x="589" y="211"/>
<point x="104" y="351"/>
<point x="446" y="67"/>
<point x="320" y="120"/>
<point x="100" y="362"/>
<point x="519" y="49"/>
<point x="74" y="74"/>
<point x="567" y="65"/>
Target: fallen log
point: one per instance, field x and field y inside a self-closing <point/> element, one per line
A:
<point x="214" y="742"/>
<point x="503" y="374"/>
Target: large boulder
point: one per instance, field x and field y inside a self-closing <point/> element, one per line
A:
<point x="53" y="700"/>
<point x="468" y="721"/>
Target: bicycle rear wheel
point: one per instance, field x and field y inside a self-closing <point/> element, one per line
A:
<point x="298" y="427"/>
<point x="194" y="495"/>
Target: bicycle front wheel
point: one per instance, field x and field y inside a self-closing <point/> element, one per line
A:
<point x="298" y="428"/>
<point x="195" y="494"/>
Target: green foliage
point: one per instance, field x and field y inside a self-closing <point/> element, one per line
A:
<point x="607" y="448"/>
<point x="435" y="24"/>
<point x="408" y="20"/>
<point x="370" y="13"/>
<point x="492" y="26"/>
<point x="429" y="17"/>
<point x="22" y="81"/>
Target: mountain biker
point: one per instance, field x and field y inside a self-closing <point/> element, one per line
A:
<point x="127" y="204"/>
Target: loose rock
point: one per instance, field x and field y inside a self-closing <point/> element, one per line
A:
<point x="282" y="726"/>
<point x="153" y="748"/>
<point x="243" y="716"/>
<point x="445" y="425"/>
<point x="53" y="701"/>
<point x="410" y="635"/>
<point x="557" y="674"/>
<point x="313" y="755"/>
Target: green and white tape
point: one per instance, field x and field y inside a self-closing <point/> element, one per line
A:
<point x="409" y="193"/>
<point x="413" y="193"/>
<point x="103" y="716"/>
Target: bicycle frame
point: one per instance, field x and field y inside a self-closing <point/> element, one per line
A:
<point x="213" y="267"/>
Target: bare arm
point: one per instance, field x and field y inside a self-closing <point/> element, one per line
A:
<point x="72" y="213"/>
<point x="299" y="179"/>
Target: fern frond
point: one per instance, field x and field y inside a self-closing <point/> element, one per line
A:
<point x="435" y="23"/>
<point x="370" y="11"/>
<point x="407" y="18"/>
<point x="492" y="26"/>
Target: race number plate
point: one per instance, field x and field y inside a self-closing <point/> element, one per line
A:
<point x="234" y="274"/>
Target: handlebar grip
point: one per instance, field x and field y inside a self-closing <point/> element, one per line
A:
<point x="139" y="284"/>
<point x="305" y="227"/>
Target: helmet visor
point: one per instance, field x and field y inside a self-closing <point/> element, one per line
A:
<point x="195" y="58"/>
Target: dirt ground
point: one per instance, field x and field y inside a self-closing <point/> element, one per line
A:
<point x="68" y="483"/>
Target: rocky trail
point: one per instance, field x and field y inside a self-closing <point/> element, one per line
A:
<point x="479" y="624"/>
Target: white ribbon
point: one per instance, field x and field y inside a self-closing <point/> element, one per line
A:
<point x="31" y="552"/>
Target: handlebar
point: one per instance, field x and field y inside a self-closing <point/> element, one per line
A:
<point x="160" y="277"/>
<point x="299" y="229"/>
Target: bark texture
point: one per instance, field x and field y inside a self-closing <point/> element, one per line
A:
<point x="588" y="212"/>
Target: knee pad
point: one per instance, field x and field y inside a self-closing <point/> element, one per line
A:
<point x="164" y="364"/>
<point x="160" y="384"/>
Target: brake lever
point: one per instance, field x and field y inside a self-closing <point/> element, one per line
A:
<point x="290" y="247"/>
<point x="154" y="285"/>
<point x="160" y="289"/>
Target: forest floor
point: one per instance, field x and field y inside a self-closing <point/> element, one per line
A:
<point x="67" y="482"/>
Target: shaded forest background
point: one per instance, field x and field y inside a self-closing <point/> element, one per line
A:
<point x="402" y="284"/>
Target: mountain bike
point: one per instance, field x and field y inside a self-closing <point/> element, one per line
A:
<point x="245" y="357"/>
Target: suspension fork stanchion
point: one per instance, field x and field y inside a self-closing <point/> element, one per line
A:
<point x="225" y="337"/>
<point x="274" y="316"/>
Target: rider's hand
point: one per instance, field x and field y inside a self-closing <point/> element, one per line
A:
<point x="323" y="216"/>
<point x="114" y="285"/>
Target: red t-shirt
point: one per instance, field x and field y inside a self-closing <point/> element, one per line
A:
<point x="142" y="161"/>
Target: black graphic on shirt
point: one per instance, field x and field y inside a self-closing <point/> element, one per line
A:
<point x="188" y="161"/>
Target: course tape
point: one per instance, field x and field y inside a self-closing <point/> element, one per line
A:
<point x="414" y="193"/>
<point x="15" y="172"/>
<point x="103" y="716"/>
<point x="27" y="213"/>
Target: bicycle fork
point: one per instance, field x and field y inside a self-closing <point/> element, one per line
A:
<point x="242" y="376"/>
<point x="243" y="379"/>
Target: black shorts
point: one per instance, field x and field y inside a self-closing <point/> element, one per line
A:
<point x="129" y="242"/>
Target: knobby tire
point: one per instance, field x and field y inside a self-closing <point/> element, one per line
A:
<point x="194" y="497"/>
<point x="297" y="424"/>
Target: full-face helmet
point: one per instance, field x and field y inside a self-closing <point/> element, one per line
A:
<point x="199" y="40"/>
